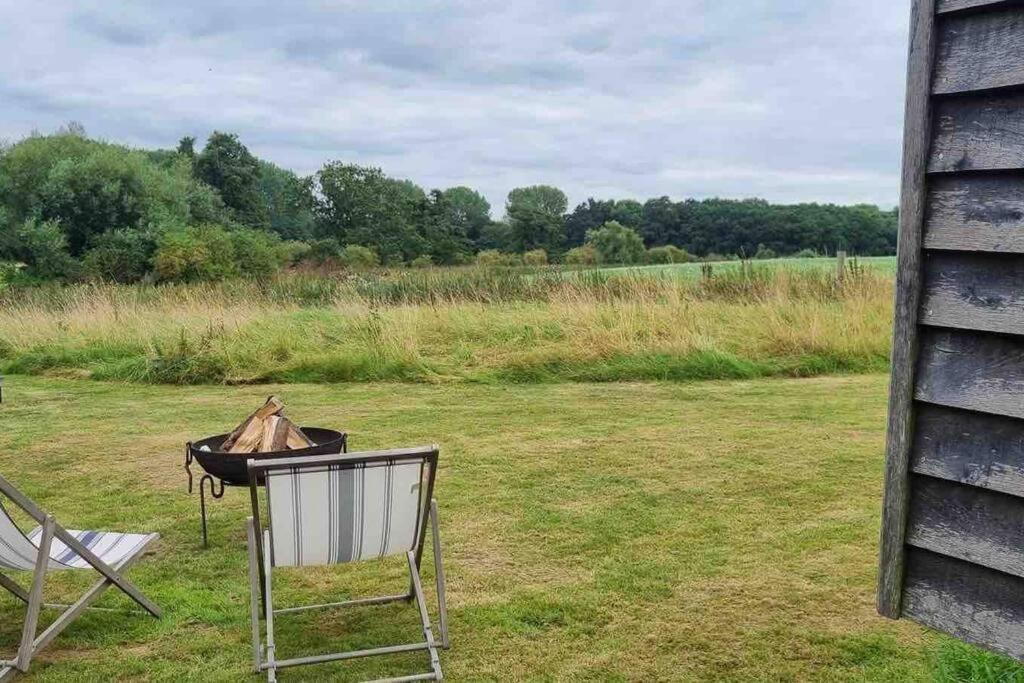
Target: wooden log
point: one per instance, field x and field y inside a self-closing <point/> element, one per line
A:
<point x="976" y="213"/>
<point x="297" y="438"/>
<point x="974" y="291"/>
<point x="978" y="134"/>
<point x="250" y="439"/>
<point x="273" y="406"/>
<point x="973" y="603"/>
<point x="916" y="136"/>
<point x="968" y="447"/>
<point x="275" y="434"/>
<point x="974" y="524"/>
<point x="979" y="51"/>
<point x="972" y="370"/>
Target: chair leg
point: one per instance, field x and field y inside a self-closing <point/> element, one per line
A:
<point x="269" y="603"/>
<point x="13" y="588"/>
<point x="35" y="598"/>
<point x="442" y="604"/>
<point x="254" y="595"/>
<point x="428" y="634"/>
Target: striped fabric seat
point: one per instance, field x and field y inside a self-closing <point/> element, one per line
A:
<point x="19" y="551"/>
<point x="52" y="547"/>
<point x="343" y="513"/>
<point x="109" y="546"/>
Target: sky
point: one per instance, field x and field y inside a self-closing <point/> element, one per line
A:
<point x="792" y="100"/>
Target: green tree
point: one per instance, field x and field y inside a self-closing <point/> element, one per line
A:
<point x="445" y="241"/>
<point x="469" y="212"/>
<point x="203" y="252"/>
<point x="357" y="256"/>
<point x="227" y="165"/>
<point x="89" y="188"/>
<point x="121" y="255"/>
<point x="536" y="216"/>
<point x="615" y="243"/>
<point x="43" y="247"/>
<point x="187" y="146"/>
<point x="289" y="202"/>
<point x="587" y="216"/>
<point x="667" y="254"/>
<point x="361" y="205"/>
<point x="585" y="255"/>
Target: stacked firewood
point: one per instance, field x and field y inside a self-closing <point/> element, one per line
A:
<point x="267" y="429"/>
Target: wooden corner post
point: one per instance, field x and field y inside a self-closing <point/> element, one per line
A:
<point x="952" y="535"/>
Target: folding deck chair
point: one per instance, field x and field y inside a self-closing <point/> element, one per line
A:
<point x="51" y="547"/>
<point x="332" y="509"/>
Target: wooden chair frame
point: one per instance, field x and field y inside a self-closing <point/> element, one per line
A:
<point x="264" y="656"/>
<point x="31" y="644"/>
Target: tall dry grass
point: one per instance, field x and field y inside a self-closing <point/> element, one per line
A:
<point x="454" y="325"/>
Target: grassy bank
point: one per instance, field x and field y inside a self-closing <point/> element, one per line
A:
<point x="632" y="532"/>
<point x="455" y="325"/>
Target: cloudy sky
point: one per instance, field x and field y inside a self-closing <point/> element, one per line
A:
<point x="792" y="100"/>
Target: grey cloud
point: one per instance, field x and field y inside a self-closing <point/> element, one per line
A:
<point x="792" y="101"/>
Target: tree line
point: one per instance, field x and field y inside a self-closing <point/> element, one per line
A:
<point x="72" y="208"/>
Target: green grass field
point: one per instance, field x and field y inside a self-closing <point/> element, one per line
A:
<point x="881" y="264"/>
<point x="719" y="531"/>
<point x="459" y="325"/>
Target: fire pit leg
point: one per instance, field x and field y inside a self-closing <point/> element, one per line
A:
<point x="202" y="500"/>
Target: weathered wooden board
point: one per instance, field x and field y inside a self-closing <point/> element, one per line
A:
<point x="978" y="134"/>
<point x="975" y="212"/>
<point x="979" y="51"/>
<point x="966" y="522"/>
<point x="952" y="536"/>
<point x="972" y="370"/>
<point x="945" y="6"/>
<point x="973" y="603"/>
<point x="972" y="448"/>
<point x="974" y="291"/>
<point x="913" y="195"/>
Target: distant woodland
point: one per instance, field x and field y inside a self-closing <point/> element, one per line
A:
<point x="74" y="208"/>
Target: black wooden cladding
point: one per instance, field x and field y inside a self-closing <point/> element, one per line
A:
<point x="976" y="212"/>
<point x="972" y="448"/>
<point x="974" y="603"/>
<point x="974" y="291"/>
<point x="952" y="554"/>
<point x="980" y="526"/>
<point x="979" y="51"/>
<point x="978" y="134"/>
<point x="965" y="369"/>
<point x="946" y="6"/>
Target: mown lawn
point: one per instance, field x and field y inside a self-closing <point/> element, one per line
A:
<point x="648" y="531"/>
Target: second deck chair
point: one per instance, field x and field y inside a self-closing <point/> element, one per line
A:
<point x="51" y="547"/>
<point x="332" y="509"/>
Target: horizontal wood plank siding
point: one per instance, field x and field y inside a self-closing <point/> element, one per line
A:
<point x="952" y="552"/>
<point x="978" y="134"/>
<point x="946" y="6"/>
<point x="973" y="603"/>
<point x="972" y="370"/>
<point x="969" y="523"/>
<point x="972" y="448"/>
<point x="979" y="51"/>
<point x="974" y="212"/>
<point x="974" y="291"/>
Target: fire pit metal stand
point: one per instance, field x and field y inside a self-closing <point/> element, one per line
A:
<point x="237" y="473"/>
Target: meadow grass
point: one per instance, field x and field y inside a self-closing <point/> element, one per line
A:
<point x="718" y="531"/>
<point x="444" y="325"/>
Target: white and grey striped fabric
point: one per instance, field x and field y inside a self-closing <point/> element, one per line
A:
<point x="344" y="513"/>
<point x="18" y="551"/>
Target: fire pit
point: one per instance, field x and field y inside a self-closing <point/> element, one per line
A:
<point x="229" y="469"/>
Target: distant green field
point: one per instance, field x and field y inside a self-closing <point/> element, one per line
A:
<point x="885" y="264"/>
